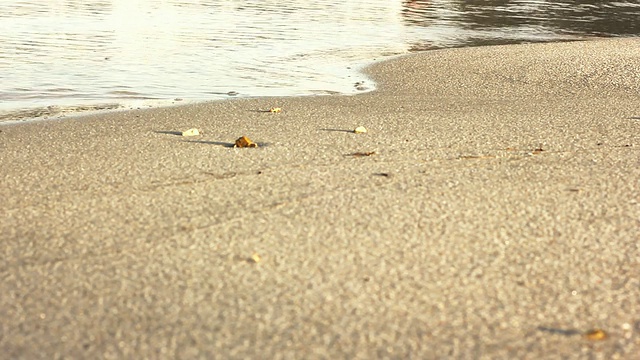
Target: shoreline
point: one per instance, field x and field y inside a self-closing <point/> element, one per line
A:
<point x="491" y="210"/>
<point x="362" y="86"/>
<point x="53" y="112"/>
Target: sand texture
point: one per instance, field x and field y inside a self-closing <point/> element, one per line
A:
<point x="491" y="210"/>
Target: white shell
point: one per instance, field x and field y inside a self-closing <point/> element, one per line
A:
<point x="191" y="132"/>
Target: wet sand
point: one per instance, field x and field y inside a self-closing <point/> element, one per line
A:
<point x="492" y="210"/>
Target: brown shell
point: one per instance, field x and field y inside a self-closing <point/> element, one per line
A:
<point x="245" y="142"/>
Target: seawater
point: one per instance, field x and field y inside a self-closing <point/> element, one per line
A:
<point x="73" y="55"/>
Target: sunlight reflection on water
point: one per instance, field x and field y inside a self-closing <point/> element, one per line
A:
<point x="73" y="54"/>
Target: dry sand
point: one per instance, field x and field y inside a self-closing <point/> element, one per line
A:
<point x="499" y="217"/>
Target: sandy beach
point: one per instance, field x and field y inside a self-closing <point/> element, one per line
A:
<point x="491" y="210"/>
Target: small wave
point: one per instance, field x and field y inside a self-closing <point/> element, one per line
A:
<point x="52" y="111"/>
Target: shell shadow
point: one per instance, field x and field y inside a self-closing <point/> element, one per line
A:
<point x="179" y="133"/>
<point x="337" y="130"/>
<point x="208" y="142"/>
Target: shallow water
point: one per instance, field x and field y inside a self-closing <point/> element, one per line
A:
<point x="72" y="55"/>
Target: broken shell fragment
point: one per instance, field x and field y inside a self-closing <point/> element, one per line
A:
<point x="255" y="258"/>
<point x="361" y="154"/>
<point x="360" y="130"/>
<point x="595" y="335"/>
<point x="191" y="132"/>
<point x="245" y="142"/>
<point x="275" y="110"/>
